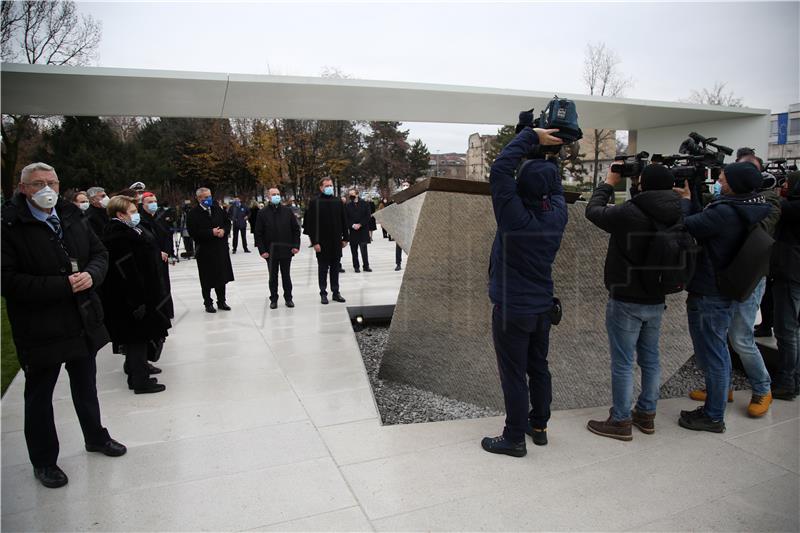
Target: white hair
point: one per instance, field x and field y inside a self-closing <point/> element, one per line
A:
<point x="33" y="167"/>
<point x="201" y="190"/>
<point x="91" y="192"/>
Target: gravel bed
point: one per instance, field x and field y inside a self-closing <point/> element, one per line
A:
<point x="403" y="404"/>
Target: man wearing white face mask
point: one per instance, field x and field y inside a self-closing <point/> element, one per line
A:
<point x="98" y="218"/>
<point x="51" y="264"/>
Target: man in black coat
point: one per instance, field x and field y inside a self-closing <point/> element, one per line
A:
<point x="51" y="264"/>
<point x="325" y="224"/>
<point x="98" y="218"/>
<point x="634" y="309"/>
<point x="278" y="240"/>
<point x="358" y="224"/>
<point x="209" y="227"/>
<point x="238" y="214"/>
<point x="155" y="228"/>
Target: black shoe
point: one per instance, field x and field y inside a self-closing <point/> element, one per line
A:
<point x="210" y="309"/>
<point x="149" y="380"/>
<point x="695" y="413"/>
<point x="762" y="331"/>
<point x="234" y="251"/>
<point x="289" y="303"/>
<point x="273" y="305"/>
<point x="246" y="251"/>
<point x="367" y="269"/>
<point x="150" y="388"/>
<point x="338" y="298"/>
<point x="324" y="298"/>
<point x="784" y="394"/>
<point x="397" y="268"/>
<point x="51" y="477"/>
<point x="701" y="423"/>
<point x="357" y="270"/>
<point x="222" y="306"/>
<point x="502" y="445"/>
<point x="539" y="436"/>
<point x="111" y="448"/>
<point x="341" y="270"/>
<point x="153" y="369"/>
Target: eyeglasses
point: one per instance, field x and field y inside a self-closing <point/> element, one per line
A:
<point x="40" y="184"/>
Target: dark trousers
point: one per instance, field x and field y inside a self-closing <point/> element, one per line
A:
<point x="136" y="363"/>
<point x="40" y="427"/>
<point x="284" y="265"/>
<point x="398" y="255"/>
<point x="236" y="232"/>
<point x="354" y="247"/>
<point x="767" y="305"/>
<point x="188" y="246"/>
<point x="521" y="344"/>
<point x="324" y="266"/>
<point x="786" y="296"/>
<point x="220" y="290"/>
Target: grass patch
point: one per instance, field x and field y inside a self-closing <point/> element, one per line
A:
<point x="10" y="364"/>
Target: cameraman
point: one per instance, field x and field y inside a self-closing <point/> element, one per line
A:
<point x="634" y="310"/>
<point x="531" y="214"/>
<point x="720" y="228"/>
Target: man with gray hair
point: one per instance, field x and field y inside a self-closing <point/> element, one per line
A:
<point x="98" y="218"/>
<point x="209" y="227"/>
<point x="51" y="264"/>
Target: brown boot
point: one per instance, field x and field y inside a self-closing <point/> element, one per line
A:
<point x="644" y="421"/>
<point x="620" y="430"/>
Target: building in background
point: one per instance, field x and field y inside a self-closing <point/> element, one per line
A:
<point x="477" y="162"/>
<point x="784" y="135"/>
<point x="450" y="165"/>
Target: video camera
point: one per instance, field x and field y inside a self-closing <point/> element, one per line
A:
<point x="695" y="160"/>
<point x="560" y="114"/>
<point x="775" y="173"/>
<point x="630" y="169"/>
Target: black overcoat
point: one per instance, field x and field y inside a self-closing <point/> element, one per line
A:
<point x="358" y="213"/>
<point x="161" y="240"/>
<point x="325" y="224"/>
<point x="277" y="232"/>
<point x="133" y="280"/>
<point x="98" y="218"/>
<point x="51" y="324"/>
<point x="211" y="253"/>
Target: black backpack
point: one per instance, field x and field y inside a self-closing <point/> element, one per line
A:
<point x="671" y="259"/>
<point x="738" y="280"/>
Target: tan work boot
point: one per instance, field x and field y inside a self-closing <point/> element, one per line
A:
<point x="644" y="421"/>
<point x="759" y="405"/>
<point x="700" y="395"/>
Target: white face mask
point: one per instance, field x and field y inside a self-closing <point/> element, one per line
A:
<point x="152" y="207"/>
<point x="84" y="206"/>
<point x="45" y="198"/>
<point x="104" y="201"/>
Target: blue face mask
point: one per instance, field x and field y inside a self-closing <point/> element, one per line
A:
<point x="328" y="191"/>
<point x="134" y="221"/>
<point x="276" y="199"/>
<point x="152" y="207"/>
<point x="208" y="202"/>
<point x="716" y="190"/>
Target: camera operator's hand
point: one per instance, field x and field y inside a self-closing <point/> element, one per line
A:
<point x="685" y="192"/>
<point x="546" y="138"/>
<point x="613" y="178"/>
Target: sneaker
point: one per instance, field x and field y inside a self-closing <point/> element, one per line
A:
<point x="759" y="405"/>
<point x="644" y="422"/>
<point x="613" y="429"/>
<point x="539" y="436"/>
<point x="701" y="394"/>
<point x="699" y="421"/>
<point x="502" y="445"/>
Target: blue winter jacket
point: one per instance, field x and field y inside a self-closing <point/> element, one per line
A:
<point x="721" y="229"/>
<point x="531" y="214"/>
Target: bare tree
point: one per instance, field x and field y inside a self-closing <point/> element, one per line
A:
<point x="51" y="33"/>
<point x="602" y="77"/>
<point x="715" y="96"/>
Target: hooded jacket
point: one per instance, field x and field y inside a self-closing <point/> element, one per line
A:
<point x="631" y="227"/>
<point x="720" y="228"/>
<point x="531" y="214"/>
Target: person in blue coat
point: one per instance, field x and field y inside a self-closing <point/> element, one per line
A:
<point x="531" y="214"/>
<point x="720" y="228"/>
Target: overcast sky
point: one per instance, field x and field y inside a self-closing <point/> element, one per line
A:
<point x="667" y="48"/>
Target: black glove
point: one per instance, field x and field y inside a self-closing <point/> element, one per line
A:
<point x="138" y="313"/>
<point x="525" y="120"/>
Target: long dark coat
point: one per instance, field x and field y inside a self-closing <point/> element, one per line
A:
<point x="98" y="218"/>
<point x="162" y="242"/>
<point x="358" y="213"/>
<point x="51" y="324"/>
<point x="252" y="217"/>
<point x="133" y="280"/>
<point x="211" y="253"/>
<point x="325" y="224"/>
<point x="277" y="232"/>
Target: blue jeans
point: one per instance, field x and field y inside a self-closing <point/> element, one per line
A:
<point x="709" y="320"/>
<point x="633" y="327"/>
<point x="786" y="296"/>
<point x="741" y="337"/>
